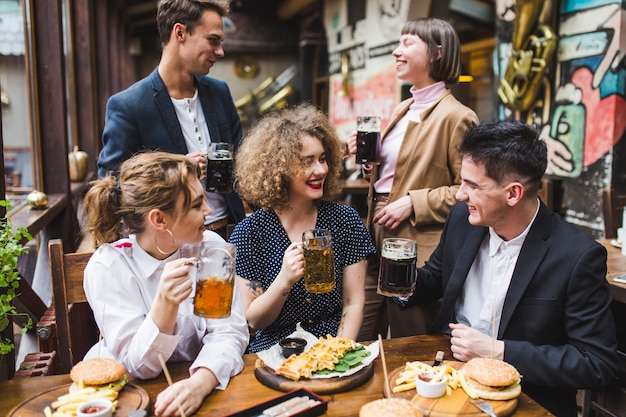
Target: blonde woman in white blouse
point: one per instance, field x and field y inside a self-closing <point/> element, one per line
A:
<point x="139" y="287"/>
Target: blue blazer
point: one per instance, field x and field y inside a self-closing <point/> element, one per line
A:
<point x="556" y="322"/>
<point x="142" y="117"/>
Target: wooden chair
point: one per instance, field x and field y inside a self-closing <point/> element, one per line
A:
<point x="612" y="208"/>
<point x="76" y="330"/>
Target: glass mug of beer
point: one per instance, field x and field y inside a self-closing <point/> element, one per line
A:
<point x="397" y="276"/>
<point x="215" y="280"/>
<point x="219" y="174"/>
<point x="319" y="261"/>
<point x="367" y="139"/>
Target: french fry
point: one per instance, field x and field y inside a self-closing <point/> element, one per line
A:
<point x="470" y="392"/>
<point x="406" y="379"/>
<point x="67" y="404"/>
<point x="404" y="387"/>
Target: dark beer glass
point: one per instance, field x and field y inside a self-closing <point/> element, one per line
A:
<point x="367" y="139"/>
<point x="397" y="276"/>
<point x="219" y="174"/>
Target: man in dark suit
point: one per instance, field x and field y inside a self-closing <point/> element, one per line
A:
<point x="505" y="263"/>
<point x="177" y="108"/>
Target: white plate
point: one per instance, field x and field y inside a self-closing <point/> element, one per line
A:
<point x="616" y="243"/>
<point x="273" y="357"/>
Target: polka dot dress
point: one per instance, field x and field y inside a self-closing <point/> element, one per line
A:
<point x="261" y="242"/>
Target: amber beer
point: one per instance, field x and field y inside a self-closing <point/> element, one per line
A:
<point x="397" y="275"/>
<point x="213" y="299"/>
<point x="367" y="139"/>
<point x="215" y="280"/>
<point x="319" y="261"/>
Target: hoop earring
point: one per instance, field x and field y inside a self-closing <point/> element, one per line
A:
<point x="157" y="243"/>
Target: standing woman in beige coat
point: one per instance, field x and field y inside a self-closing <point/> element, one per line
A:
<point x="414" y="187"/>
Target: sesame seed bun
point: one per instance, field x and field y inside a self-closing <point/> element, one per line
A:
<point x="492" y="379"/>
<point x="97" y="371"/>
<point x="390" y="407"/>
<point x="492" y="372"/>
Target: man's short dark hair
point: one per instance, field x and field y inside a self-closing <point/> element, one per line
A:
<point x="510" y="150"/>
<point x="187" y="12"/>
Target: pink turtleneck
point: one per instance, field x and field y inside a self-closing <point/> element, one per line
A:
<point x="390" y="146"/>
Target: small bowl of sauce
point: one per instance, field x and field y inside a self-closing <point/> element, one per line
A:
<point x="95" y="408"/>
<point x="427" y="387"/>
<point x="292" y="346"/>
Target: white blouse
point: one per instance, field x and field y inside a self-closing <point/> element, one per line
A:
<point x="121" y="280"/>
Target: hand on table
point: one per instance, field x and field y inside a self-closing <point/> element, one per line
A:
<point x="186" y="393"/>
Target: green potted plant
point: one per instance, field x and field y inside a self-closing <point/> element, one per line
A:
<point x="10" y="250"/>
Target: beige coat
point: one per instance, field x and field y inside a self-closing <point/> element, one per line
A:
<point x="428" y="169"/>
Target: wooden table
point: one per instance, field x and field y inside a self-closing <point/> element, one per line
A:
<point x="245" y="391"/>
<point x="616" y="266"/>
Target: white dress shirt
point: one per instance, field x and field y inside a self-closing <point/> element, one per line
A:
<point x="480" y="304"/>
<point x="121" y="280"/>
<point x="197" y="138"/>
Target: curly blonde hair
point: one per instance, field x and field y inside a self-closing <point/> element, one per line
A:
<point x="269" y="156"/>
<point x="150" y="180"/>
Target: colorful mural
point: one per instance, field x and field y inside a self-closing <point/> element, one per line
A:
<point x="361" y="35"/>
<point x="581" y="104"/>
<point x="585" y="89"/>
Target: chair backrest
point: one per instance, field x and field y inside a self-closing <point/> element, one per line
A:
<point x="612" y="209"/>
<point x="76" y="329"/>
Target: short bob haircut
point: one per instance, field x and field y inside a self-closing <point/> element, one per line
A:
<point x="270" y="156"/>
<point x="438" y="33"/>
<point x="187" y="12"/>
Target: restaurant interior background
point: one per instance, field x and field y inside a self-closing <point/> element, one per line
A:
<point x="60" y="60"/>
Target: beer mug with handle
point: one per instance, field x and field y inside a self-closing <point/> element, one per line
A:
<point x="319" y="261"/>
<point x="367" y="139"/>
<point x="397" y="276"/>
<point x="219" y="176"/>
<point x="215" y="279"/>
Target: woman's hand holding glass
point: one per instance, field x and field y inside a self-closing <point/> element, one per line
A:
<point x="176" y="285"/>
<point x="293" y="264"/>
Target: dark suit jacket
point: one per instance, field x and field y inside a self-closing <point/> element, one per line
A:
<point x="556" y="323"/>
<point x="143" y="117"/>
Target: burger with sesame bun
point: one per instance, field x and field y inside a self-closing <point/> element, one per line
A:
<point x="492" y="379"/>
<point x="100" y="373"/>
<point x="390" y="407"/>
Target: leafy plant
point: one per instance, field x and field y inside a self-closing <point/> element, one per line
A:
<point x="10" y="251"/>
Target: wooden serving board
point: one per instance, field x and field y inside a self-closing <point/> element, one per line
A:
<point x="268" y="377"/>
<point x="456" y="404"/>
<point x="131" y="398"/>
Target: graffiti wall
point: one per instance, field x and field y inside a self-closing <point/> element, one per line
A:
<point x="578" y="99"/>
<point x="361" y="35"/>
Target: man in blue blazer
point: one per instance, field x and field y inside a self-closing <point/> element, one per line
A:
<point x="177" y="108"/>
<point x="506" y="263"/>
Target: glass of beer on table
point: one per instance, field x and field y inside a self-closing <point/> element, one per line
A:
<point x="367" y="139"/>
<point x="397" y="276"/>
<point x="219" y="174"/>
<point x="215" y="279"/>
<point x="319" y="261"/>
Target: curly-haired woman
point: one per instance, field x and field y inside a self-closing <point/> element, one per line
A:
<point x="289" y="166"/>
